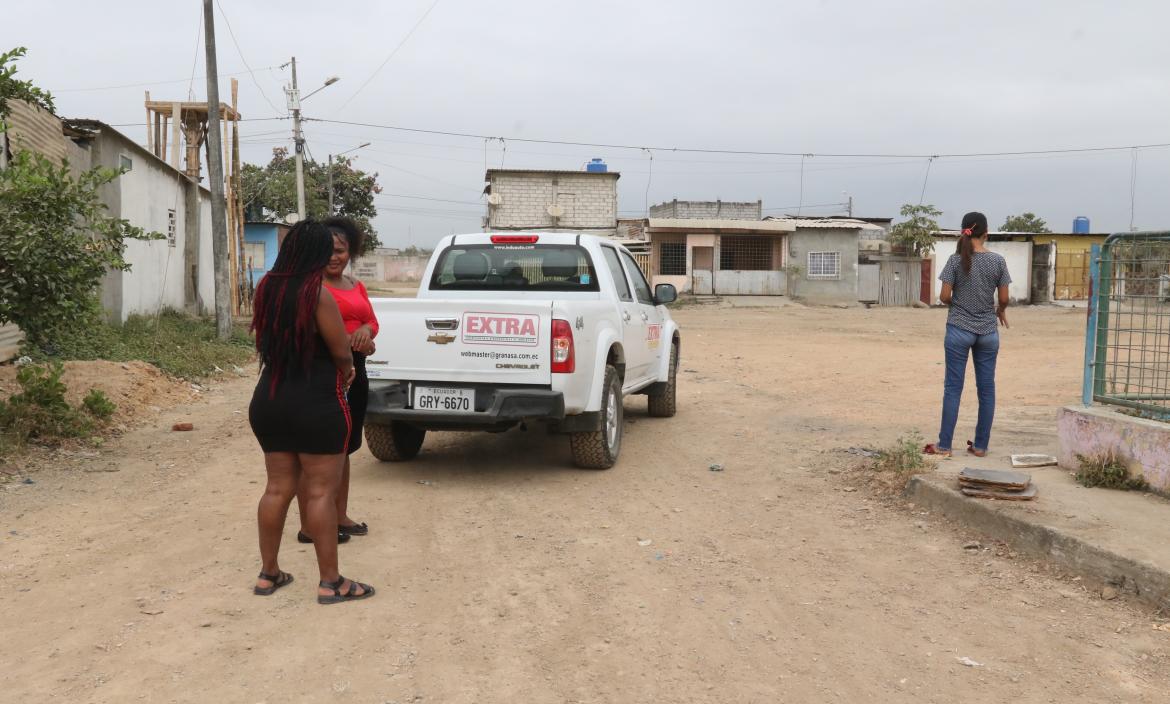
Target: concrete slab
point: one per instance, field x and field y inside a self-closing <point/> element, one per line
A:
<point x="1109" y="537"/>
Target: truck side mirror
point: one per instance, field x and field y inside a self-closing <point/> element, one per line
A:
<point x="665" y="294"/>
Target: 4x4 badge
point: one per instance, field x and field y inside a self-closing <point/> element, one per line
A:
<point x="440" y="338"/>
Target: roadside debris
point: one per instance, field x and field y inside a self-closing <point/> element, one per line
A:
<point x="644" y="542"/>
<point x="973" y="545"/>
<point x="968" y="662"/>
<point x="863" y="452"/>
<point x="182" y="427"/>
<point x="997" y="484"/>
<point x="1027" y="461"/>
<point x="716" y="468"/>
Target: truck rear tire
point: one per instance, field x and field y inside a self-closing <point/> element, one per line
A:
<point x="598" y="449"/>
<point x="665" y="403"/>
<point x="397" y="442"/>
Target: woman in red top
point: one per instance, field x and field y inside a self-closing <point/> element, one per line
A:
<point x="362" y="327"/>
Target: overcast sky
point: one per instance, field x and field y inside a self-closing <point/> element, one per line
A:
<point x="914" y="77"/>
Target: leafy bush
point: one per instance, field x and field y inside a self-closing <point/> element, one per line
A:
<point x="57" y="240"/>
<point x="98" y="405"/>
<point x="903" y="458"/>
<point x="1108" y="471"/>
<point x="39" y="411"/>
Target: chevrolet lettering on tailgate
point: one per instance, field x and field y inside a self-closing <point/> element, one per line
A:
<point x="500" y="329"/>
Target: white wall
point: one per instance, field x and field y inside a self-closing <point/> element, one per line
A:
<point x="1019" y="260"/>
<point x="148" y="191"/>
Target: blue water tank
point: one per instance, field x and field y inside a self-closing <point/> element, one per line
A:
<point x="596" y="166"/>
<point x="1080" y="225"/>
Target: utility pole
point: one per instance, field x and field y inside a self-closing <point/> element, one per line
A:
<point x="330" y="185"/>
<point x="294" y="100"/>
<point x="219" y="240"/>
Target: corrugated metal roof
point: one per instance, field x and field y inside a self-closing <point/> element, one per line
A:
<point x="747" y="225"/>
<point x="826" y="223"/>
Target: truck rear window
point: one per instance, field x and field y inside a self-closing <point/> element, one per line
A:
<point x="514" y="267"/>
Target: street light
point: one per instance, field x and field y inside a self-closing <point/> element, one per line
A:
<point x="294" y="103"/>
<point x="347" y="151"/>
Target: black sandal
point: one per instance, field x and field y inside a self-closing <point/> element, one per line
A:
<point x="280" y="579"/>
<point x="302" y="538"/>
<point x="350" y="594"/>
<point x="355" y="529"/>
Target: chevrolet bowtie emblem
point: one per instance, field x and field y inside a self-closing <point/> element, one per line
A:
<point x="441" y="338"/>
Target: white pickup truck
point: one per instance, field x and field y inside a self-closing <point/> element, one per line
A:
<point x="511" y="329"/>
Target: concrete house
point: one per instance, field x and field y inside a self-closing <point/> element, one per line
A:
<point x="543" y="199"/>
<point x="717" y="248"/>
<point x="262" y="241"/>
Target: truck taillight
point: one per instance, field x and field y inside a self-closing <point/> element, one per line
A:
<point x="563" y="359"/>
<point x="515" y="239"/>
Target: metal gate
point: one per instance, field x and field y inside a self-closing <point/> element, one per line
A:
<point x="1127" y="345"/>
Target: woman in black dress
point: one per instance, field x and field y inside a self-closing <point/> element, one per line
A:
<point x="299" y="412"/>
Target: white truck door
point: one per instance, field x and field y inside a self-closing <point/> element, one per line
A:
<point x="633" y="326"/>
<point x="650" y="343"/>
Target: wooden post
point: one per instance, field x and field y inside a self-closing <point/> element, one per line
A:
<point x="176" y="126"/>
<point x="236" y="190"/>
<point x="229" y="203"/>
<point x="149" y="130"/>
<point x="161" y="120"/>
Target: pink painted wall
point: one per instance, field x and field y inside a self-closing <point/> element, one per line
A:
<point x="1143" y="444"/>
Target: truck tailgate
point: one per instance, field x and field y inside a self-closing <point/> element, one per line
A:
<point x="470" y="341"/>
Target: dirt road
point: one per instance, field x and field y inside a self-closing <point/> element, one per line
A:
<point x="504" y="575"/>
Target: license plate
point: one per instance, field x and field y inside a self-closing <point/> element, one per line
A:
<point x="433" y="398"/>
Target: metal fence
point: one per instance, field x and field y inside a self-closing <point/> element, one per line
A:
<point x="1127" y="345"/>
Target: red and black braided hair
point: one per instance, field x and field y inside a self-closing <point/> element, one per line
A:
<point x="285" y="305"/>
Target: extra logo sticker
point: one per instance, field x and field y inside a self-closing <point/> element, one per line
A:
<point x="653" y="336"/>
<point x="501" y="329"/>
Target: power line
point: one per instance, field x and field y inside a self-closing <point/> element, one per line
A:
<point x="440" y="200"/>
<point x="744" y="152"/>
<point x="146" y="84"/>
<point x="925" y="178"/>
<point x="242" y="119"/>
<point x="240" y="51"/>
<point x="391" y="55"/>
<point x="195" y="59"/>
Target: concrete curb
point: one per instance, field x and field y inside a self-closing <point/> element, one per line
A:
<point x="1146" y="583"/>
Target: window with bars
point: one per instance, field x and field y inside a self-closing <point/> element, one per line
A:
<point x="672" y="258"/>
<point x="745" y="253"/>
<point x="824" y="265"/>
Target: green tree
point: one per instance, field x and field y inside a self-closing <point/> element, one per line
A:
<point x="1028" y="222"/>
<point x="56" y="239"/>
<point x="12" y="88"/>
<point x="271" y="191"/>
<point x="916" y="233"/>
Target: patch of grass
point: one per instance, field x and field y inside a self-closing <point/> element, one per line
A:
<point x="903" y="458"/>
<point x="98" y="405"/>
<point x="1108" y="471"/>
<point x="179" y="344"/>
<point x="39" y="412"/>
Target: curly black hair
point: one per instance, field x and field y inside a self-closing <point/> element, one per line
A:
<point x="347" y="228"/>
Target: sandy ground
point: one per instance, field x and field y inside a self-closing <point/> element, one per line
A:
<point x="504" y="575"/>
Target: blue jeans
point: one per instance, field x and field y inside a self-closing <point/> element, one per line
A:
<point x="983" y="349"/>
